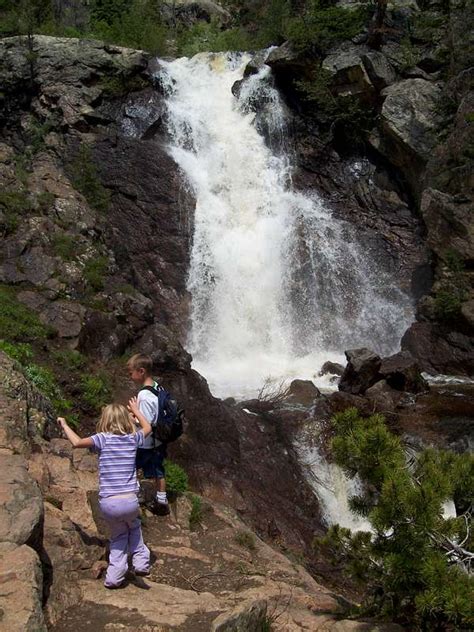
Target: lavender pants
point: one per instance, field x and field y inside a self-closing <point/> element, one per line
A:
<point x="121" y="516"/>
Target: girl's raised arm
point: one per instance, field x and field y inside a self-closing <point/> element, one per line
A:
<point x="75" y="439"/>
<point x="142" y="420"/>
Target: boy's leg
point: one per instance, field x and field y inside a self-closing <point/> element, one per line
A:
<point x="117" y="517"/>
<point x="160" y="480"/>
<point x="139" y="551"/>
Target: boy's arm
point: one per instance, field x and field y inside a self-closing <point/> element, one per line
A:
<point x="75" y="439"/>
<point x="142" y="420"/>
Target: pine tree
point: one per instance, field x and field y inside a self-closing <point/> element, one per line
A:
<point x="415" y="566"/>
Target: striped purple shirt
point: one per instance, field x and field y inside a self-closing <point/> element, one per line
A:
<point x="117" y="470"/>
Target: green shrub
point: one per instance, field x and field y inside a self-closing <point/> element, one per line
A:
<point x="45" y="200"/>
<point x="176" y="478"/>
<point x="197" y="513"/>
<point x="69" y="359"/>
<point x="14" y="205"/>
<point x="66" y="246"/>
<point x="94" y="271"/>
<point x="135" y="24"/>
<point x="85" y="179"/>
<point x="454" y="288"/>
<point x="322" y="27"/>
<point x="204" y="36"/>
<point x="17" y="322"/>
<point x="96" y="390"/>
<point x="43" y="379"/>
<point x="411" y="567"/>
<point x="246" y="539"/>
<point x="119" y="85"/>
<point x="21" y="351"/>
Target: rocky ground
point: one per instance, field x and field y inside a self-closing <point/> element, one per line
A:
<point x="210" y="570"/>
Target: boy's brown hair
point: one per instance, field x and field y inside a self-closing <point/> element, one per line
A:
<point x="141" y="361"/>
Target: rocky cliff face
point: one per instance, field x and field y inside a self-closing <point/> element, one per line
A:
<point x="406" y="174"/>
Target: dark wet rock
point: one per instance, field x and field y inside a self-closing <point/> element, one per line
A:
<point x="102" y="336"/>
<point x="257" y="62"/>
<point x="333" y="368"/>
<point x="302" y="392"/>
<point x="384" y="398"/>
<point x="450" y="223"/>
<point x="439" y="350"/>
<point x="166" y="351"/>
<point x="361" y="372"/>
<point x="402" y="373"/>
<point x="339" y="401"/>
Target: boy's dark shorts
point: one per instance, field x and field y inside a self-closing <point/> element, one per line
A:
<point x="152" y="461"/>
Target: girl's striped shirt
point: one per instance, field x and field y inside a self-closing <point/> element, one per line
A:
<point x="117" y="469"/>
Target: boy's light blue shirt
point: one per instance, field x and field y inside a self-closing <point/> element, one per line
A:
<point x="148" y="405"/>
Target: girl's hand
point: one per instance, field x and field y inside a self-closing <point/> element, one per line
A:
<point x="133" y="406"/>
<point x="62" y="422"/>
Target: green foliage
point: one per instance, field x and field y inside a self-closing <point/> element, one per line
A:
<point x="37" y="131"/>
<point x="69" y="359"/>
<point x="246" y="539"/>
<point x="45" y="381"/>
<point x="176" y="478"/>
<point x="134" y="24"/>
<point x="320" y="27"/>
<point x="197" y="513"/>
<point x="20" y="351"/>
<point x="453" y="288"/>
<point x="408" y="54"/>
<point x="347" y="115"/>
<point x="95" y="390"/>
<point x="14" y="205"/>
<point x="86" y="180"/>
<point x="404" y="565"/>
<point x="66" y="246"/>
<point x="94" y="272"/>
<point x="17" y="322"/>
<point x="204" y="36"/>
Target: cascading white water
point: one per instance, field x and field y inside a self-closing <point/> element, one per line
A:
<point x="278" y="285"/>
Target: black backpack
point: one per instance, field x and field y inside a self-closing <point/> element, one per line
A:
<point x="169" y="425"/>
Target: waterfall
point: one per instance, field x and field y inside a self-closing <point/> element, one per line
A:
<point x="278" y="285"/>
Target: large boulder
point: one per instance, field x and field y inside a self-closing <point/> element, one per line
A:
<point x="409" y="125"/>
<point x="383" y="398"/>
<point x="438" y="350"/>
<point x="348" y="72"/>
<point x="302" y="392"/>
<point x="331" y="368"/>
<point x="20" y="590"/>
<point x="189" y="12"/>
<point x="21" y="509"/>
<point x="402" y="373"/>
<point x="361" y="372"/>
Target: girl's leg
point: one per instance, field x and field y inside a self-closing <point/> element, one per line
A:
<point x="139" y="551"/>
<point x="118" y="513"/>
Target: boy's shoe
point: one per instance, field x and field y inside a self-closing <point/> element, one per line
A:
<point x="159" y="509"/>
<point x="115" y="587"/>
<point x="141" y="573"/>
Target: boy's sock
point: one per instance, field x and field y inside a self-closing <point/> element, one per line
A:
<point x="161" y="498"/>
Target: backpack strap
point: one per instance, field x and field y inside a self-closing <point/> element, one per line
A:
<point x="156" y="393"/>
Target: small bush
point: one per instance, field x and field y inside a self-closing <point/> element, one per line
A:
<point x="44" y="201"/>
<point x="196" y="515"/>
<point x="69" y="359"/>
<point x="321" y="27"/>
<point x="85" y="179"/>
<point x="203" y="37"/>
<point x="66" y="246"/>
<point x="17" y="322"/>
<point x="45" y="381"/>
<point x="94" y="272"/>
<point x="21" y="351"/>
<point x="95" y="390"/>
<point x="176" y="478"/>
<point x="246" y="539"/>
<point x="14" y="205"/>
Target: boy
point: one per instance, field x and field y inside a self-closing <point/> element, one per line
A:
<point x="150" y="457"/>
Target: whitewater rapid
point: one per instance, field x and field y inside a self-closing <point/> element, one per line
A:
<point x="277" y="284"/>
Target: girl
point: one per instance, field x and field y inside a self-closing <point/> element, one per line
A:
<point x="116" y="442"/>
